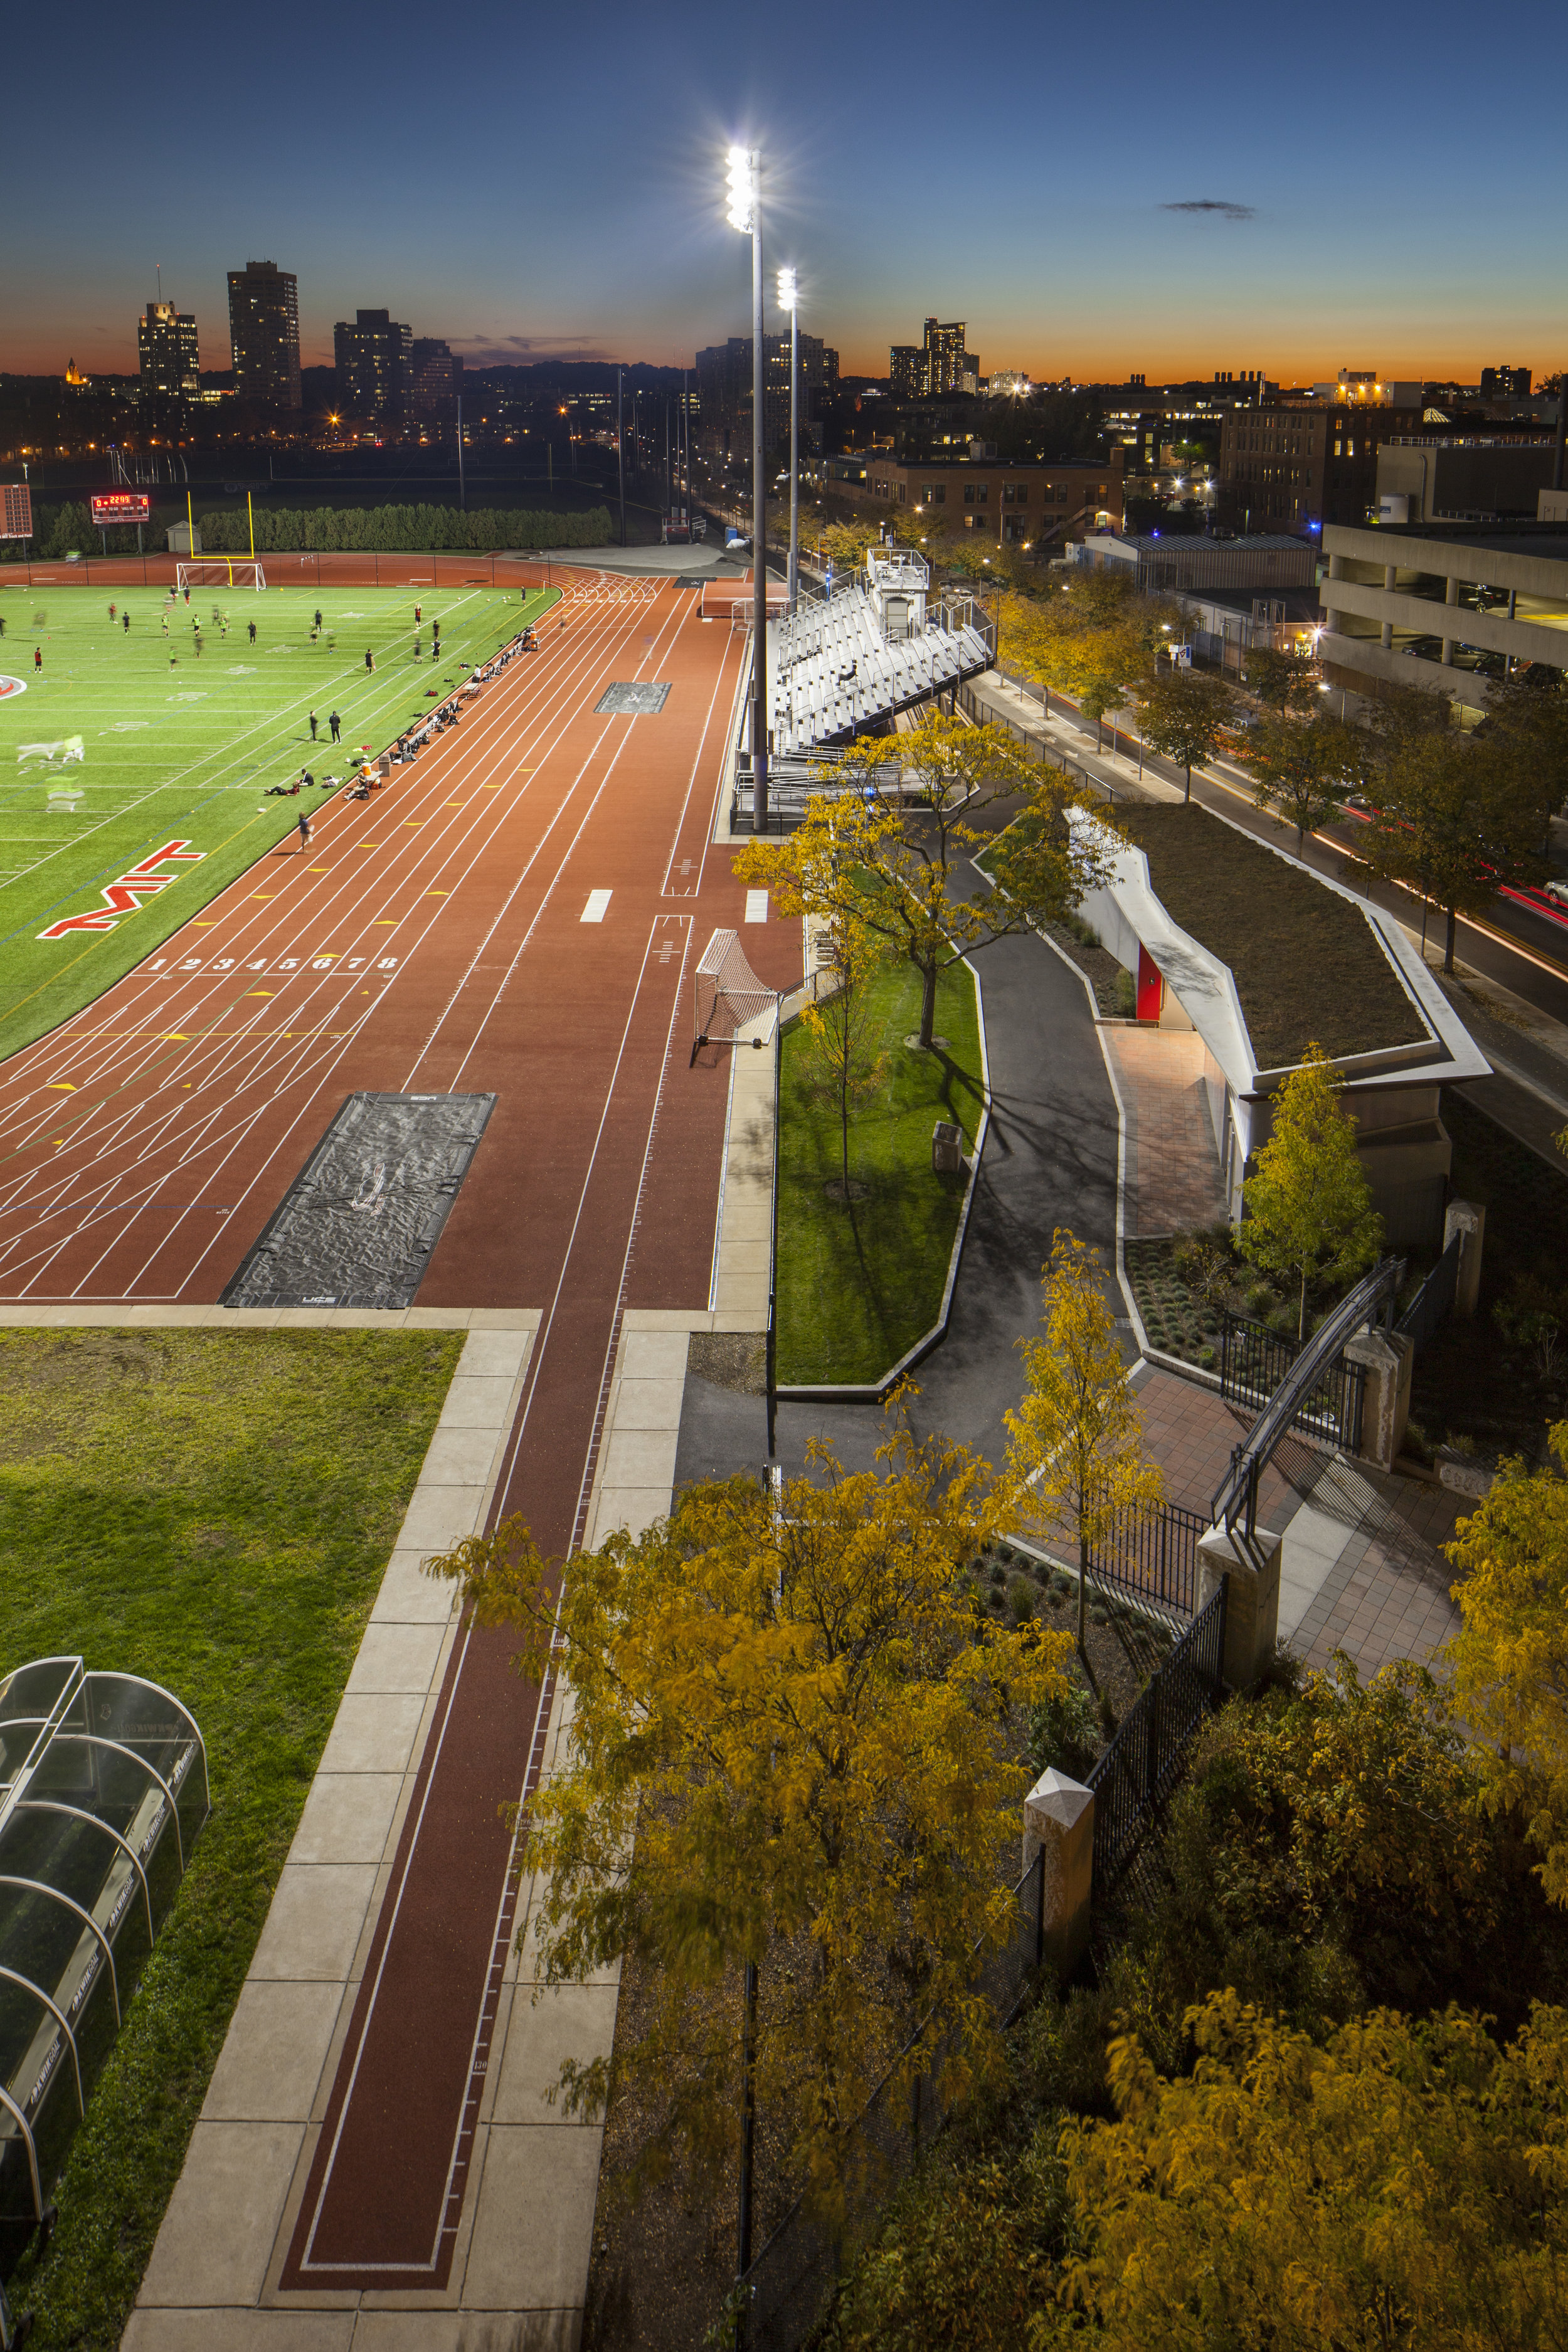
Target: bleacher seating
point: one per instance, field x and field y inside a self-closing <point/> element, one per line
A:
<point x="832" y="672"/>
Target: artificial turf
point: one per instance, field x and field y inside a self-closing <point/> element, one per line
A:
<point x="858" y="1284"/>
<point x="213" y="1510"/>
<point x="185" y="752"/>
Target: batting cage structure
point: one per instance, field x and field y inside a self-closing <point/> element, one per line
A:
<point x="727" y="993"/>
<point x="220" y="571"/>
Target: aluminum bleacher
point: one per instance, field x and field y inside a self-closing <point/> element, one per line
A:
<point x="835" y="673"/>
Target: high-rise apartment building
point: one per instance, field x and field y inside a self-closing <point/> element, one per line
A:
<point x="938" y="365"/>
<point x="263" y="335"/>
<point x="435" y="378"/>
<point x="724" y="390"/>
<point x="1505" y="384"/>
<point x="167" y="354"/>
<point x="375" y="360"/>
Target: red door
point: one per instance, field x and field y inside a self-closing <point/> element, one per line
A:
<point x="1151" y="987"/>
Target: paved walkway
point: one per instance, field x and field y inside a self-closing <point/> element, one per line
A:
<point x="1363" y="1567"/>
<point x="1172" y="1168"/>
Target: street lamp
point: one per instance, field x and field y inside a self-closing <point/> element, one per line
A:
<point x="746" y="214"/>
<point x="789" y="300"/>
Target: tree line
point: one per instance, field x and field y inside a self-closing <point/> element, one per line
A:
<point x="67" y="529"/>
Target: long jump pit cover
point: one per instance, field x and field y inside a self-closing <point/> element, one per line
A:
<point x="358" y="1225"/>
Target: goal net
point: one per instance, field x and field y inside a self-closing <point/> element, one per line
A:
<point x="727" y="995"/>
<point x="220" y="571"/>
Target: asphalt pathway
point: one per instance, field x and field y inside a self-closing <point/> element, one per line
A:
<point x="1049" y="1160"/>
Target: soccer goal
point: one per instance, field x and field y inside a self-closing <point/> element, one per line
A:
<point x="220" y="571"/>
<point x="728" y="997"/>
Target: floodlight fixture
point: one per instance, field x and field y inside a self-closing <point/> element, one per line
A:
<point x="789" y="291"/>
<point x="743" y="179"/>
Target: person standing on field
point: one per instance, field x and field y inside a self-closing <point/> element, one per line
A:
<point x="125" y="622"/>
<point x="38" y="657"/>
<point x="369" y="658"/>
<point x="312" y="725"/>
<point x="253" y="632"/>
<point x="111" y="611"/>
<point x="336" y="724"/>
<point x="318" y="617"/>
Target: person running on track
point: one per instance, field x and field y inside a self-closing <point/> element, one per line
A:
<point x="304" y="827"/>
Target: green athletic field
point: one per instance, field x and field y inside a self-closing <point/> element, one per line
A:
<point x="177" y="746"/>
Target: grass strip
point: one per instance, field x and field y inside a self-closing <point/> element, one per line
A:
<point x="213" y="1510"/>
<point x="859" y="1283"/>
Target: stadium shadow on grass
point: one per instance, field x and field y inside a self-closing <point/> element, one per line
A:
<point x="186" y="753"/>
<point x="857" y="1286"/>
<point x="213" y="1510"/>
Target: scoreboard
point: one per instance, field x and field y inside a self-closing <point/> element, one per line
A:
<point x="120" y="506"/>
<point x="15" y="511"/>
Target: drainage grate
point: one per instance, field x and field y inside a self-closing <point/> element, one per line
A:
<point x="357" y="1227"/>
<point x="629" y="701"/>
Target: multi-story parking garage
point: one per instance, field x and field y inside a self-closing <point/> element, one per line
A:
<point x="1446" y="605"/>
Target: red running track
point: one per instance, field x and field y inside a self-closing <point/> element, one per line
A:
<point x="432" y="940"/>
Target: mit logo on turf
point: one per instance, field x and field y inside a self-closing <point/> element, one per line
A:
<point x="124" y="894"/>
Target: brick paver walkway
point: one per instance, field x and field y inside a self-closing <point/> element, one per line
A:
<point x="1173" y="1168"/>
<point x="1386" y="1593"/>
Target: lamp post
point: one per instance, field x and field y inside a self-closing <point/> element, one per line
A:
<point x="789" y="300"/>
<point x="746" y="215"/>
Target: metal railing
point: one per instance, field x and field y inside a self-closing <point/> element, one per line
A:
<point x="1153" y="1555"/>
<point x="1292" y="1401"/>
<point x="1435" y="1297"/>
<point x="1138" y="1770"/>
<point x="1254" y="1363"/>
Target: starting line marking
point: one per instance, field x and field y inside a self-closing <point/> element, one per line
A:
<point x="596" y="907"/>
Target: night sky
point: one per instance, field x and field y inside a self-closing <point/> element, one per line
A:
<point x="1094" y="190"/>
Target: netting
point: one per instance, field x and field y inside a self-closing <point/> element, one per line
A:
<point x="223" y="571"/>
<point x="727" y="992"/>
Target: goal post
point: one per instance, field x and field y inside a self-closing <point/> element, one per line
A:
<point x="728" y="997"/>
<point x="221" y="571"/>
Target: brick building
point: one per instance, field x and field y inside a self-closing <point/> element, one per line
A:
<point x="1295" y="465"/>
<point x="1022" y="505"/>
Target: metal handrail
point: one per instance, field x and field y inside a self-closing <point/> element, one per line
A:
<point x="1236" y="1494"/>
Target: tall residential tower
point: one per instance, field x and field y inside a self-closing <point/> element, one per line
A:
<point x="264" y="333"/>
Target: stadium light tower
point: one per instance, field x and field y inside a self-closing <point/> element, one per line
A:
<point x="746" y="215"/>
<point x="789" y="300"/>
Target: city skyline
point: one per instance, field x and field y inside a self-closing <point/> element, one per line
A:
<point x="1236" y="206"/>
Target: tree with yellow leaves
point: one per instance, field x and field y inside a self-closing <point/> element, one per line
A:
<point x="888" y="850"/>
<point x="1405" y="2184"/>
<point x="1077" y="1452"/>
<point x="1310" y="1213"/>
<point x="789" y="1751"/>
<point x="1509" y="1660"/>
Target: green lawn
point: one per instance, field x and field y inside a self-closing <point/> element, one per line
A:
<point x="213" y="1510"/>
<point x="859" y="1284"/>
<point x="185" y="753"/>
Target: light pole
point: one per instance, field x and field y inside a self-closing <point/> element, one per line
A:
<point x="746" y="215"/>
<point x="789" y="300"/>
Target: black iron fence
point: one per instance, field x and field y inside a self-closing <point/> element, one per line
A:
<point x="1256" y="1363"/>
<point x="1138" y="1770"/>
<point x="1153" y="1555"/>
<point x="1435" y="1297"/>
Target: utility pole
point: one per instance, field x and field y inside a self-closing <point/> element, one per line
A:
<point x="789" y="294"/>
<point x="462" y="485"/>
<point x="746" y="215"/>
